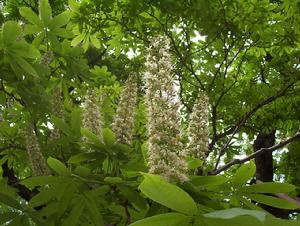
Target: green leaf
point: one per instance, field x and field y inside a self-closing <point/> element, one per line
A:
<point x="75" y="213"/>
<point x="91" y="136"/>
<point x="58" y="166"/>
<point x="60" y="20"/>
<point x="62" y="32"/>
<point x="11" y="30"/>
<point x="77" y="39"/>
<point x="7" y="216"/>
<point x="243" y="174"/>
<point x="113" y="180"/>
<point x="29" y="15"/>
<point x="273" y="201"/>
<point x="166" y="219"/>
<point x="269" y="187"/>
<point x="194" y="163"/>
<point x="62" y="125"/>
<point x="42" y="180"/>
<point x="45" y="12"/>
<point x="85" y="156"/>
<point x="95" y="41"/>
<point x="109" y="137"/>
<point x="134" y="197"/>
<point x="234" y="212"/>
<point x="31" y="29"/>
<point x="9" y="201"/>
<point x="93" y="210"/>
<point x="159" y="190"/>
<point x="25" y="65"/>
<point x="45" y="195"/>
<point x="206" y="181"/>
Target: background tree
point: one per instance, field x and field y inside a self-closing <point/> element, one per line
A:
<point x="242" y="55"/>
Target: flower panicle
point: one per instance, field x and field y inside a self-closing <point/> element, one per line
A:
<point x="166" y="155"/>
<point x="123" y="123"/>
<point x="36" y="158"/>
<point x="198" y="128"/>
<point x="92" y="118"/>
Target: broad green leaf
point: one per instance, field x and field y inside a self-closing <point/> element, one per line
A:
<point x="194" y="163"/>
<point x="86" y="42"/>
<point x="273" y="201"/>
<point x="31" y="29"/>
<point x="41" y="180"/>
<point x="45" y="12"/>
<point x="25" y="65"/>
<point x="109" y="137"/>
<point x="22" y="49"/>
<point x="77" y="39"/>
<point x="134" y="197"/>
<point x="95" y="41"/>
<point x="29" y="15"/>
<point x="237" y="221"/>
<point x="91" y="136"/>
<point x="60" y="20"/>
<point x="113" y="180"/>
<point x="83" y="157"/>
<point x="7" y="216"/>
<point x="58" y="166"/>
<point x="75" y="214"/>
<point x="93" y="210"/>
<point x="62" y="32"/>
<point x="62" y="125"/>
<point x="159" y="190"/>
<point x="38" y="39"/>
<point x="166" y="219"/>
<point x="45" y="195"/>
<point x="243" y="174"/>
<point x="205" y="181"/>
<point x="269" y="187"/>
<point x="9" y="201"/>
<point x="234" y="212"/>
<point x="82" y="171"/>
<point x="11" y="30"/>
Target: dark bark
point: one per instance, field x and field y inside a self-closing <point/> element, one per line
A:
<point x="264" y="162"/>
<point x="264" y="167"/>
<point x="13" y="181"/>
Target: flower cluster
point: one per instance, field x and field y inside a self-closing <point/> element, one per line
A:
<point x="166" y="155"/>
<point x="58" y="111"/>
<point x="123" y="123"/>
<point x="36" y="158"/>
<point x="92" y="119"/>
<point x="198" y="128"/>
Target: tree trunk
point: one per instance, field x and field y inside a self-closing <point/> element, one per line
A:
<point x="264" y="167"/>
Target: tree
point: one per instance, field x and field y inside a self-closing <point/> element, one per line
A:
<point x="149" y="112"/>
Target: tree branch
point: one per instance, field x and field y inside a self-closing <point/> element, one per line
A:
<point x="256" y="154"/>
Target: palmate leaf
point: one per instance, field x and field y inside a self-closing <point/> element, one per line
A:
<point x="11" y="30"/>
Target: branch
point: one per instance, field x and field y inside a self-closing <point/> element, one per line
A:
<point x="256" y="154"/>
<point x="235" y="128"/>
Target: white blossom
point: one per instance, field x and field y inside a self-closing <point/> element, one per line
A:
<point x="123" y="123"/>
<point x="92" y="118"/>
<point x="35" y="156"/>
<point x="58" y="111"/>
<point x="198" y="128"/>
<point x="166" y="155"/>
